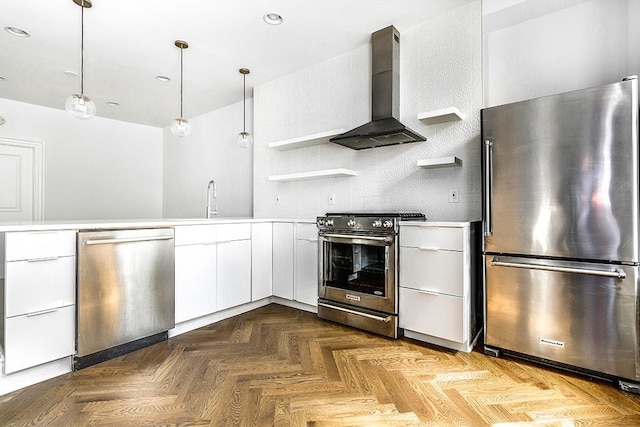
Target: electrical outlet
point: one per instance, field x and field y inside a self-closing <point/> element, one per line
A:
<point x="331" y="199"/>
<point x="454" y="196"/>
<point x="277" y="199"/>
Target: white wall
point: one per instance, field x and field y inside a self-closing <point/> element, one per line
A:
<point x="440" y="67"/>
<point x="540" y="47"/>
<point x="210" y="152"/>
<point x="94" y="169"/>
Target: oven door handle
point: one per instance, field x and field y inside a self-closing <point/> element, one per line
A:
<point x="354" y="238"/>
<point x="359" y="313"/>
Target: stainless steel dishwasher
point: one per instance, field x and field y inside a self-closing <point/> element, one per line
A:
<point x="126" y="294"/>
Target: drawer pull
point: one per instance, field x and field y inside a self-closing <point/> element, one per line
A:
<point x="39" y="313"/>
<point x="386" y="319"/>
<point x="51" y="258"/>
<point x="428" y="248"/>
<point x="424" y="291"/>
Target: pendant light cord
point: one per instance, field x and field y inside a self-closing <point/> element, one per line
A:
<point x="82" y="50"/>
<point x="244" y="103"/>
<point x="181" y="52"/>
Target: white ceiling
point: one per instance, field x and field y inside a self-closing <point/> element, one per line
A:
<point x="128" y="43"/>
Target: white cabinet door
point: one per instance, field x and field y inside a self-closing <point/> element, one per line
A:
<point x="306" y="266"/>
<point x="433" y="270"/>
<point x="441" y="316"/>
<point x="283" y="260"/>
<point x="234" y="273"/>
<point x="261" y="261"/>
<point x="37" y="338"/>
<point x="39" y="285"/>
<point x="195" y="281"/>
<point x="36" y="245"/>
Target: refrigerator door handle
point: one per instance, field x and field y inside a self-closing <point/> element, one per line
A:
<point x="488" y="192"/>
<point x="618" y="274"/>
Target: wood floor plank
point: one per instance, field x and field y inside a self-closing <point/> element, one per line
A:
<point x="284" y="367"/>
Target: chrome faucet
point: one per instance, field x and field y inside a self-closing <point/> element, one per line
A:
<point x="212" y="192"/>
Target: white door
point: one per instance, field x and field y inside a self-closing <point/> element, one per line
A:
<point x="21" y="174"/>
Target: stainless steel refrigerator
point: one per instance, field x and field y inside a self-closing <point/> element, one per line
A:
<point x="561" y="226"/>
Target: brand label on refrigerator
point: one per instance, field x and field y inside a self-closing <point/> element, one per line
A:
<point x="353" y="297"/>
<point x="549" y="341"/>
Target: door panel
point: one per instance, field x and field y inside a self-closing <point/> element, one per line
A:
<point x="579" y="319"/>
<point x="21" y="177"/>
<point x="564" y="174"/>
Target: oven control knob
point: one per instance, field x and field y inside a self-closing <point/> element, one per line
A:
<point x="329" y="223"/>
<point x="351" y="223"/>
<point x="388" y="224"/>
<point x="377" y="223"/>
<point x="321" y="222"/>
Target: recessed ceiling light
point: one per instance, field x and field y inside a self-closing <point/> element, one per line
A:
<point x="1" y="78"/>
<point x="113" y="103"/>
<point x="15" y="31"/>
<point x="272" y="19"/>
<point x="163" y="79"/>
<point x="2" y="121"/>
<point x="70" y="73"/>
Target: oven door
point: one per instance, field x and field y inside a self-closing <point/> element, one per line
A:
<point x="359" y="270"/>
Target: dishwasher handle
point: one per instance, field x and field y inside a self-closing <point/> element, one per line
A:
<point x="125" y="240"/>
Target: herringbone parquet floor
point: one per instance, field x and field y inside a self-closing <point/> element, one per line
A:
<point x="281" y="366"/>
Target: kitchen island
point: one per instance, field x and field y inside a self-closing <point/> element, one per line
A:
<point x="223" y="267"/>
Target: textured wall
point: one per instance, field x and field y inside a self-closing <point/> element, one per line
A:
<point x="440" y="66"/>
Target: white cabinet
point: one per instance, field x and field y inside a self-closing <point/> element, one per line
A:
<point x="195" y="271"/>
<point x="261" y="260"/>
<point x="234" y="265"/>
<point x="306" y="264"/>
<point x="283" y="242"/>
<point x="39" y="298"/>
<point x="439" y="299"/>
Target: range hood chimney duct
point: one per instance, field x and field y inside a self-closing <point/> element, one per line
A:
<point x="384" y="127"/>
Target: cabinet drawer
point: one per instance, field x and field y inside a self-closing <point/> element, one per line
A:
<point x="194" y="234"/>
<point x="39" y="338"/>
<point x="432" y="270"/>
<point x="228" y="232"/>
<point x="40" y="244"/>
<point x="449" y="238"/>
<point x="307" y="232"/>
<point x="39" y="285"/>
<point x="441" y="316"/>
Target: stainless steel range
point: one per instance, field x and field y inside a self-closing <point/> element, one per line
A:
<point x="358" y="280"/>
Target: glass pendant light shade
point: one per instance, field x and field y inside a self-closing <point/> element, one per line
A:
<point x="244" y="139"/>
<point x="181" y="127"/>
<point x="80" y="106"/>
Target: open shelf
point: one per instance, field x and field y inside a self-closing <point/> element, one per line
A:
<point x="440" y="116"/>
<point x="306" y="141"/>
<point x="442" y="162"/>
<point x="328" y="173"/>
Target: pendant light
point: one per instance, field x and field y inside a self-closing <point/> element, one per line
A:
<point x="181" y="126"/>
<point x="244" y="139"/>
<point x="79" y="105"/>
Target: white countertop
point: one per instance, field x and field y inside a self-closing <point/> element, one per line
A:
<point x="443" y="223"/>
<point x="132" y="223"/>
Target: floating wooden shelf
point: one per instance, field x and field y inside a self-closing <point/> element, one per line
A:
<point x="306" y="141"/>
<point x="440" y="116"/>
<point x="329" y="173"/>
<point x="442" y="162"/>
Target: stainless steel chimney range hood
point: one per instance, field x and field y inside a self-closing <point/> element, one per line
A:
<point x="384" y="127"/>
